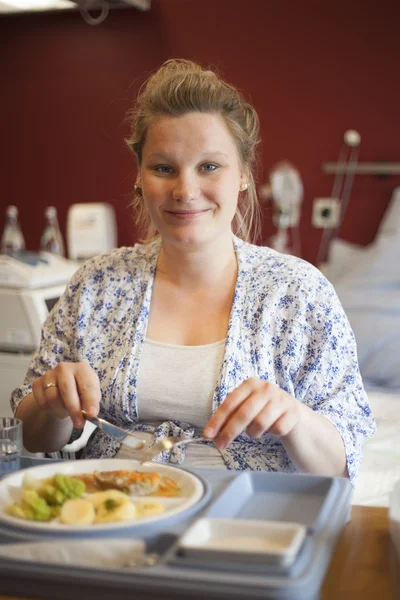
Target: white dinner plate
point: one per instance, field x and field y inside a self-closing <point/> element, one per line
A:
<point x="192" y="490"/>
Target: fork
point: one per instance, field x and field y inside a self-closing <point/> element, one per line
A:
<point x="168" y="443"/>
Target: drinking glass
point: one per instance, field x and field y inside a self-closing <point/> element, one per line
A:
<point x="10" y="444"/>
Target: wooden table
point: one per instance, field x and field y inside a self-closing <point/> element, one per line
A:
<point x="365" y="565"/>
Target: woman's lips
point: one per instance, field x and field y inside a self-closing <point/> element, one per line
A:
<point x="187" y="215"/>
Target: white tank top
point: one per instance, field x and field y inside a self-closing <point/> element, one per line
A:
<point x="177" y="383"/>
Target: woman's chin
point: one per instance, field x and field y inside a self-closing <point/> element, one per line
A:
<point x="194" y="237"/>
<point x="187" y="236"/>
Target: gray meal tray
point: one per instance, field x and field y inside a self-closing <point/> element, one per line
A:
<point x="322" y="504"/>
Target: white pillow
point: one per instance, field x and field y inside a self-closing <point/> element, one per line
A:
<point x="344" y="257"/>
<point x="367" y="281"/>
<point x="376" y="268"/>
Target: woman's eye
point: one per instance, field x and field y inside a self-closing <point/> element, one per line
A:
<point x="163" y="169"/>
<point x="209" y="167"/>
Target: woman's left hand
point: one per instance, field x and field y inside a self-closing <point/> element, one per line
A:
<point x="255" y="406"/>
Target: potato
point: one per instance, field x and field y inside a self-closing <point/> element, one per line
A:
<point x="111" y="506"/>
<point x="77" y="511"/>
<point x="99" y="497"/>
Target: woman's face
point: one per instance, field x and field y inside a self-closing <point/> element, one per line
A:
<point x="191" y="176"/>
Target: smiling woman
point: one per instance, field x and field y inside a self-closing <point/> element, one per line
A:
<point x="195" y="328"/>
<point x="181" y="94"/>
<point x="189" y="187"/>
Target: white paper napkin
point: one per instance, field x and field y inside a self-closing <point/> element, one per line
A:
<point x="100" y="553"/>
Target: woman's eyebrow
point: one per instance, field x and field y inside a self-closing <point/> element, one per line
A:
<point x="215" y="153"/>
<point x="166" y="156"/>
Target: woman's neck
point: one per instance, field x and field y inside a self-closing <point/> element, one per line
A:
<point x="208" y="265"/>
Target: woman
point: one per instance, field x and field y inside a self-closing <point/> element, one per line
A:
<point x="196" y="328"/>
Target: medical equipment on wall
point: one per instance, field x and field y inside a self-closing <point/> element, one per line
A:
<point x="342" y="186"/>
<point x="30" y="285"/>
<point x="285" y="190"/>
<point x="91" y="230"/>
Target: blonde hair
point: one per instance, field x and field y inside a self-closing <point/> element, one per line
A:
<point x="181" y="86"/>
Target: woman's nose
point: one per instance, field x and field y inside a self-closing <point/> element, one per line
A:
<point x="185" y="189"/>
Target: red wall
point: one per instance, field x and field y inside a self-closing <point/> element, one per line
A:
<point x="311" y="70"/>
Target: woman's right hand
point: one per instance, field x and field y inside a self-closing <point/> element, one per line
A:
<point x="66" y="390"/>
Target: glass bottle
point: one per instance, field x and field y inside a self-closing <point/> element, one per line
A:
<point x="12" y="240"/>
<point x="51" y="240"/>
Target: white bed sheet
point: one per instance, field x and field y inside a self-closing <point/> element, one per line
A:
<point x="380" y="468"/>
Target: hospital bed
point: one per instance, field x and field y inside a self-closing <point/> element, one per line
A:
<point x="367" y="281"/>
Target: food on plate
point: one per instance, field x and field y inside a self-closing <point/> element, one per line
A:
<point x="68" y="499"/>
<point x="149" y="508"/>
<point x="112" y="505"/>
<point x="31" y="507"/>
<point x="107" y="495"/>
<point x="137" y="483"/>
<point x="41" y="499"/>
<point x="77" y="511"/>
<point x="168" y="487"/>
<point x="60" y="488"/>
<point x="103" y="507"/>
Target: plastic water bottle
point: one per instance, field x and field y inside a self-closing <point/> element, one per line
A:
<point x="12" y="240"/>
<point x="51" y="240"/>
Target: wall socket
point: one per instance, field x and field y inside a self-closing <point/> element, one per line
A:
<point x="326" y="213"/>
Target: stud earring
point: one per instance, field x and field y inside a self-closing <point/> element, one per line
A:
<point x="244" y="187"/>
<point x="138" y="191"/>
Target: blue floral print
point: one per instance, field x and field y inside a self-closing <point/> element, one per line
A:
<point x="286" y="326"/>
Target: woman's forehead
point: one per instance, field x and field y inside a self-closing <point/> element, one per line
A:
<point x="204" y="132"/>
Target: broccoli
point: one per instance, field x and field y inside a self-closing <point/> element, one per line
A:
<point x="55" y="511"/>
<point x="44" y="503"/>
<point x="51" y="494"/>
<point x="36" y="506"/>
<point x="60" y="488"/>
<point x="32" y="507"/>
<point x="71" y="487"/>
